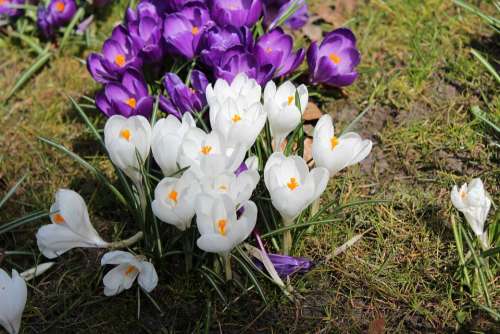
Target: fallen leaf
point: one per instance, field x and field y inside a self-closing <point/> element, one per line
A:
<point x="308" y="149"/>
<point x="312" y="112"/>
<point x="377" y="326"/>
<point x="313" y="32"/>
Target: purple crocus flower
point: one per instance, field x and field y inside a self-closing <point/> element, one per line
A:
<point x="236" y="13"/>
<point x="276" y="48"/>
<point x="275" y="9"/>
<point x="181" y="98"/>
<point x="129" y="97"/>
<point x="334" y="61"/>
<point x="183" y="30"/>
<point x="216" y="41"/>
<point x="118" y="55"/>
<point x="236" y="60"/>
<point x="61" y="11"/>
<point x="6" y="8"/>
<point x="145" y="30"/>
<point x="44" y="23"/>
<point x="285" y="265"/>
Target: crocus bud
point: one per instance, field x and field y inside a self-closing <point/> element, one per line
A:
<point x="236" y="13"/>
<point x="70" y="226"/>
<point x="336" y="153"/>
<point x="128" y="141"/>
<point x="168" y="134"/>
<point x="128" y="268"/>
<point x="242" y="89"/>
<point x="174" y="200"/>
<point x="334" y="61"/>
<point x="282" y="109"/>
<point x="291" y="185"/>
<point x="473" y="201"/>
<point x="220" y="228"/>
<point x="13" y="295"/>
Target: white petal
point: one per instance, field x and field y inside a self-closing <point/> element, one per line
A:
<point x="148" y="278"/>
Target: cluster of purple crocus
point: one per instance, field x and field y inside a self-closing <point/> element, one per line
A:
<point x="55" y="15"/>
<point x="8" y="8"/>
<point x="207" y="40"/>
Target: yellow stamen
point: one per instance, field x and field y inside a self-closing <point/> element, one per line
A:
<point x="195" y="30"/>
<point x="223" y="188"/>
<point x="130" y="270"/>
<point x="221" y="225"/>
<point x="58" y="218"/>
<point x="291" y="98"/>
<point x="173" y="196"/>
<point x="206" y="149"/>
<point x="60" y="6"/>
<point x="293" y="183"/>
<point x="334" y="141"/>
<point x="125" y="134"/>
<point x="463" y="194"/>
<point x="120" y="60"/>
<point x="334" y="58"/>
<point x="236" y="118"/>
<point x="131" y="102"/>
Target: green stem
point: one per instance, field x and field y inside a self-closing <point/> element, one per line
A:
<point x="227" y="267"/>
<point x="127" y="242"/>
<point x="287" y="236"/>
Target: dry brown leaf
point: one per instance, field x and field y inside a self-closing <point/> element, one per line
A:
<point x="313" y="32"/>
<point x="377" y="326"/>
<point x="308" y="149"/>
<point x="312" y="112"/>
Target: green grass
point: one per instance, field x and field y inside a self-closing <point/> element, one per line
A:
<point x="419" y="80"/>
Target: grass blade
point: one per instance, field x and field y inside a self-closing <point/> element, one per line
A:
<point x="71" y="26"/>
<point x="486" y="64"/>
<point x="11" y="191"/>
<point x="38" y="64"/>
<point x="252" y="278"/>
<point x="23" y="221"/>
<point x="482" y="116"/>
<point x="87" y="121"/>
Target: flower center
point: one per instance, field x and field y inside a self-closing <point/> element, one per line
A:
<point x="60" y="6"/>
<point x="291" y="98"/>
<point x="206" y="149"/>
<point x="223" y="188"/>
<point x="126" y="134"/>
<point x="120" y="60"/>
<point x="195" y="30"/>
<point x="463" y="194"/>
<point x="131" y="102"/>
<point x="2" y="2"/>
<point x="334" y="58"/>
<point x="236" y="118"/>
<point x="334" y="141"/>
<point x="173" y="196"/>
<point x="293" y="183"/>
<point x="269" y="50"/>
<point x="130" y="270"/>
<point x="221" y="226"/>
<point x="58" y="218"/>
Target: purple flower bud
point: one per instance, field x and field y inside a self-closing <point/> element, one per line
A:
<point x="84" y="25"/>
<point x="236" y="13"/>
<point x="334" y="61"/>
<point x="118" y="55"/>
<point x="235" y="61"/>
<point x="276" y="48"/>
<point x="129" y="97"/>
<point x="7" y="10"/>
<point x="275" y="9"/>
<point x="183" y="30"/>
<point x="217" y="40"/>
<point x="242" y="168"/>
<point x="181" y="98"/>
<point x="145" y="30"/>
<point x="61" y="11"/>
<point x="44" y="23"/>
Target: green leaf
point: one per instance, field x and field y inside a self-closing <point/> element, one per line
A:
<point x="70" y="27"/>
<point x="32" y="217"/>
<point x="482" y="116"/>
<point x="486" y="64"/>
<point x="252" y="278"/>
<point x="87" y="121"/>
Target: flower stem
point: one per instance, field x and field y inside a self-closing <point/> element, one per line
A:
<point x="314" y="210"/>
<point x="287" y="236"/>
<point x="227" y="267"/>
<point x="127" y="242"/>
<point x="188" y="252"/>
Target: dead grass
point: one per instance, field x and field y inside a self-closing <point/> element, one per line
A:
<point x="419" y="81"/>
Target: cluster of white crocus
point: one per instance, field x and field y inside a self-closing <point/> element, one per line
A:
<point x="473" y="201"/>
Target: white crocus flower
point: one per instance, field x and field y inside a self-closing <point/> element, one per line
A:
<point x="70" y="226"/>
<point x="252" y="163"/>
<point x="335" y="153"/>
<point x="238" y="125"/>
<point x="238" y="187"/>
<point x="128" y="141"/>
<point x="281" y="107"/>
<point x="243" y="90"/>
<point x="220" y="228"/>
<point x="174" y="200"/>
<point x="473" y="201"/>
<point x="168" y="134"/>
<point x="199" y="146"/>
<point x="13" y="295"/>
<point x="291" y="185"/>
<point x="128" y="268"/>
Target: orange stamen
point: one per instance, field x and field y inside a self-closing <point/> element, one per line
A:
<point x="58" y="218"/>
<point x="293" y="183"/>
<point x="131" y="102"/>
<point x="120" y="60"/>
<point x="125" y="134"/>
<point x="334" y="58"/>
<point x="60" y="6"/>
<point x="269" y="50"/>
<point x="290" y="99"/>
<point x="206" y="149"/>
<point x="221" y="225"/>
<point x="173" y="195"/>
<point x="334" y="141"/>
<point x="236" y="118"/>
<point x="195" y="30"/>
<point x="130" y="270"/>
